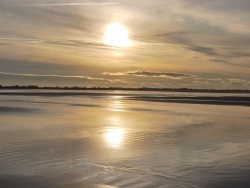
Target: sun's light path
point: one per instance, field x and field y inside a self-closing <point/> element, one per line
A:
<point x="114" y="137"/>
<point x="116" y="35"/>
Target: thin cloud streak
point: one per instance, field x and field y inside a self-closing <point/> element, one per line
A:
<point x="73" y="43"/>
<point x="171" y="75"/>
<point x="68" y="4"/>
<point x="61" y="76"/>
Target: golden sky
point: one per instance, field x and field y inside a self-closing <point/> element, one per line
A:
<point x="172" y="43"/>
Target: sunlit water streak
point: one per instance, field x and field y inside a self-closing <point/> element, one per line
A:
<point x="119" y="139"/>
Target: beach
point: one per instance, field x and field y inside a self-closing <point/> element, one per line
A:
<point x="57" y="138"/>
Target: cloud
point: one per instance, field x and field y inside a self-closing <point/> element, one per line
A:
<point x="68" y="43"/>
<point x="68" y="4"/>
<point x="200" y="82"/>
<point x="205" y="50"/>
<point x="63" y="76"/>
<point x="229" y="62"/>
<point x="171" y="75"/>
<point x="216" y="45"/>
<point x="228" y="14"/>
<point x="61" y="37"/>
<point x="236" y="82"/>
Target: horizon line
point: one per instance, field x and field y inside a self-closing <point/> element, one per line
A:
<point x="111" y="88"/>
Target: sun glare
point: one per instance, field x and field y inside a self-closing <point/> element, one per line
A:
<point x="116" y="35"/>
<point x="114" y="137"/>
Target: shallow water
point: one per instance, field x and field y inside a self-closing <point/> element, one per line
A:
<point x="124" y="139"/>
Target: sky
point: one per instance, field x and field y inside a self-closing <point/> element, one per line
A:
<point x="174" y="43"/>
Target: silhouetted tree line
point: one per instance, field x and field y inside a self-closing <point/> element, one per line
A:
<point x="19" y="87"/>
<point x="127" y="89"/>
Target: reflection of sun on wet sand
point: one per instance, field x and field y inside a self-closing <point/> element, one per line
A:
<point x="116" y="105"/>
<point x="114" y="137"/>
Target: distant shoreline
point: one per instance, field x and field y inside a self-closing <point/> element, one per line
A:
<point x="125" y="89"/>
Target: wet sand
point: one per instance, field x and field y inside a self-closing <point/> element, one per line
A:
<point x="228" y="99"/>
<point x="15" y="181"/>
<point x="124" y="139"/>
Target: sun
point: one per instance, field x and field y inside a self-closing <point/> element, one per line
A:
<point x="116" y="35"/>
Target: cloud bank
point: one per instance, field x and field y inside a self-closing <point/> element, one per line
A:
<point x="62" y="76"/>
<point x="171" y="75"/>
